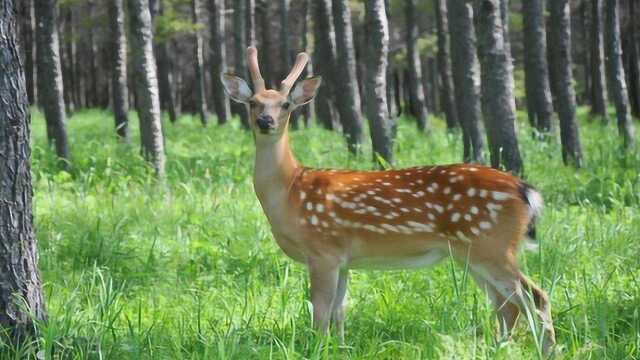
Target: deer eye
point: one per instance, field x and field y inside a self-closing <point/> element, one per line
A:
<point x="286" y="105"/>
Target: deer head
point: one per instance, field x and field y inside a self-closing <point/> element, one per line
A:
<point x="269" y="110"/>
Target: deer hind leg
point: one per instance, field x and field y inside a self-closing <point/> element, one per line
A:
<point x="515" y="288"/>
<point x="339" y="307"/>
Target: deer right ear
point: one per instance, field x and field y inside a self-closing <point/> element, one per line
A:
<point x="237" y="89"/>
<point x="305" y="90"/>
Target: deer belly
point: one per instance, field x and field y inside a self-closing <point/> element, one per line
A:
<point x="290" y="247"/>
<point x="426" y="259"/>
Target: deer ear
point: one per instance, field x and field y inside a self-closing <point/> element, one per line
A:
<point x="237" y="89"/>
<point x="305" y="91"/>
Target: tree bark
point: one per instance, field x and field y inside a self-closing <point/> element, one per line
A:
<point x="347" y="85"/>
<point x="377" y="31"/>
<point x="217" y="46"/>
<point x="198" y="55"/>
<point x="466" y="78"/>
<point x="28" y="43"/>
<point x="285" y="49"/>
<point x="50" y="86"/>
<point x="266" y="34"/>
<point x="616" y="72"/>
<point x="562" y="86"/>
<point x="148" y="102"/>
<point x="497" y="93"/>
<point x="21" y="298"/>
<point x="538" y="92"/>
<point x="324" y="60"/>
<point x="92" y="57"/>
<point x="165" y="72"/>
<point x="240" y="54"/>
<point x="68" y="61"/>
<point x="633" y="61"/>
<point x="598" y="86"/>
<point x="119" y="68"/>
<point x="417" y="102"/>
<point x="444" y="65"/>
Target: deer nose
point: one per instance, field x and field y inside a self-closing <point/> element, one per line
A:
<point x="265" y="122"/>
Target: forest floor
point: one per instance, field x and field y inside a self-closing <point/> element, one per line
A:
<point x="188" y="269"/>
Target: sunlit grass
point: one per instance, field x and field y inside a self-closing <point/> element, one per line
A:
<point x="187" y="268"/>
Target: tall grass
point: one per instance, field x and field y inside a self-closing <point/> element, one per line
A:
<point x="187" y="268"/>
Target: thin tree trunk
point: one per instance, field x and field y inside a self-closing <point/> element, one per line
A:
<point x="50" y="86"/>
<point x="148" y="102"/>
<point x="497" y="93"/>
<point x="466" y="78"/>
<point x="598" y="86"/>
<point x="119" y="70"/>
<point x="324" y="59"/>
<point x="165" y="73"/>
<point x="251" y="22"/>
<point x="68" y="50"/>
<point x="616" y="72"/>
<point x="562" y="86"/>
<point x="92" y="57"/>
<point x="633" y="62"/>
<point x="538" y="92"/>
<point x="417" y="102"/>
<point x="201" y="102"/>
<point x="444" y="65"/>
<point x="583" y="38"/>
<point x="377" y="31"/>
<point x="266" y="44"/>
<point x="217" y="46"/>
<point x="347" y="85"/>
<point x="28" y="43"/>
<point x="284" y="37"/>
<point x="240" y="54"/>
<point x="21" y="299"/>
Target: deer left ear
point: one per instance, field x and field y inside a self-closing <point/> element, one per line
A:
<point x="237" y="89"/>
<point x="305" y="91"/>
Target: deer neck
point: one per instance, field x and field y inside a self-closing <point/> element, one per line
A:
<point x="275" y="169"/>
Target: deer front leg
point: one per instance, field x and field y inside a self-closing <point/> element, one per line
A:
<point x="340" y="304"/>
<point x="323" y="274"/>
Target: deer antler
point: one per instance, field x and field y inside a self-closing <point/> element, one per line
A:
<point x="254" y="69"/>
<point x="287" y="83"/>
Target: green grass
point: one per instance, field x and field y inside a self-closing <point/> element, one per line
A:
<point x="187" y="269"/>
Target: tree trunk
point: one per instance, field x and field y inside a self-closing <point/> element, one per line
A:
<point x="324" y="60"/>
<point x="417" y="103"/>
<point x="50" y="86"/>
<point x="444" y="65"/>
<point x="148" y="103"/>
<point x="538" y="92"/>
<point x="285" y="50"/>
<point x="217" y="46"/>
<point x="21" y="298"/>
<point x="562" y="86"/>
<point x="250" y="22"/>
<point x="377" y="31"/>
<point x="616" y="72"/>
<point x="497" y="93"/>
<point x="240" y="54"/>
<point x="267" y="51"/>
<point x="68" y="60"/>
<point x="466" y="78"/>
<point x="347" y="85"/>
<point x="584" y="36"/>
<point x="633" y="61"/>
<point x="201" y="102"/>
<point x="598" y="86"/>
<point x="28" y="44"/>
<point x="165" y="73"/>
<point x="119" y="70"/>
<point x="92" y="57"/>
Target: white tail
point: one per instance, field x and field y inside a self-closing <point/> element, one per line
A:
<point x="334" y="220"/>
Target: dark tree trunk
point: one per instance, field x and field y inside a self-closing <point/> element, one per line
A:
<point x="390" y="70"/>
<point x="538" y="92"/>
<point x="21" y="298"/>
<point x="28" y="44"/>
<point x="309" y="111"/>
<point x="324" y="59"/>
<point x="165" y="73"/>
<point x="50" y="85"/>
<point x="119" y="70"/>
<point x="217" y="46"/>
<point x="266" y="33"/>
<point x="633" y="61"/>
<point x="240" y="54"/>
<point x="148" y="103"/>
<point x="348" y="100"/>
<point x="251" y="22"/>
<point x="92" y="57"/>
<point x="201" y="102"/>
<point x="68" y="61"/>
<point x="497" y="93"/>
<point x="562" y="85"/>
<point x="584" y="39"/>
<point x="377" y="30"/>
<point x="431" y="84"/>
<point x="598" y="86"/>
<point x="616" y="72"/>
<point x="417" y="102"/>
<point x="444" y="65"/>
<point x="284" y="37"/>
<point x="466" y="78"/>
